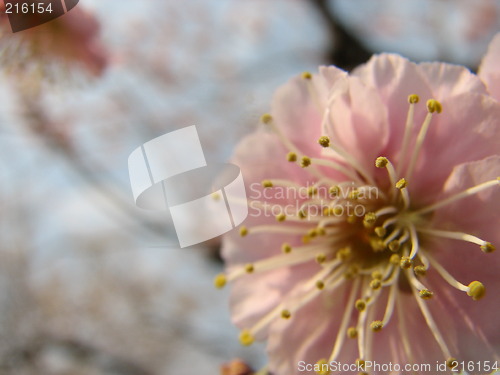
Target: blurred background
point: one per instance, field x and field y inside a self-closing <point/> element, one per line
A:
<point x="90" y="284"/>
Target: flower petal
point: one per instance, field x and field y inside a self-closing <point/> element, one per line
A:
<point x="489" y="70"/>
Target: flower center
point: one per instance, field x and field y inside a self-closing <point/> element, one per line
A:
<point x="362" y="236"/>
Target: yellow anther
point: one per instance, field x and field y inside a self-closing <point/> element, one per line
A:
<point x="312" y="232"/>
<point x="266" y="118"/>
<point x="381" y="162"/>
<point x="334" y="190"/>
<point x="249" y="268"/>
<point x="360" y="305"/>
<point x="320" y="284"/>
<point x="285" y="314"/>
<point x="369" y="220"/>
<point x="488" y="247"/>
<point x="215" y="196"/>
<point x="312" y="190"/>
<point x="344" y="253"/>
<point x="291" y="156"/>
<point x="401" y="184"/>
<point x="380" y="231"/>
<point x="377" y="244"/>
<point x="305" y="162"/>
<point x="376" y="325"/>
<point x="352" y="271"/>
<point x="338" y="210"/>
<point x="286" y="248"/>
<point x="360" y="362"/>
<point x="406" y="263"/>
<point x="351" y="219"/>
<point x="267" y="183"/>
<point x="281" y="217"/>
<point x="352" y="332"/>
<point x="246" y="338"/>
<point x="324" y="141"/>
<point x="306" y="239"/>
<point x="322" y="367"/>
<point x="413" y="98"/>
<point x="452" y="363"/>
<point x="394" y="245"/>
<point x="426" y="294"/>
<point x="321" y="258"/>
<point x="302" y="214"/>
<point x="321" y="231"/>
<point x="377" y="275"/>
<point x="476" y="290"/>
<point x="420" y="270"/>
<point x="220" y="281"/>
<point x="434" y="106"/>
<point x="395" y="259"/>
<point x="306" y="75"/>
<point x="375" y="284"/>
<point x="354" y="194"/>
<point x="243" y="231"/>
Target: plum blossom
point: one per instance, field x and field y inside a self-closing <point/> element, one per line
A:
<point x="69" y="41"/>
<point x="374" y="210"/>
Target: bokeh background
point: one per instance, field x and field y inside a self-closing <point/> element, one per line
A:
<point x="90" y="284"/>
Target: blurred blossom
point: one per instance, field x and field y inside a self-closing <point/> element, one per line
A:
<point x="49" y="50"/>
<point x="374" y="205"/>
<point x="450" y="30"/>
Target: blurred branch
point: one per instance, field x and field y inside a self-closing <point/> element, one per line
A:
<point x="347" y="51"/>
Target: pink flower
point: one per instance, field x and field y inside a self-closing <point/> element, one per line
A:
<point x="72" y="40"/>
<point x="374" y="205"/>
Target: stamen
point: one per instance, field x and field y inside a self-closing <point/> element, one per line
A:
<point x="285" y="314"/>
<point x="476" y="290"/>
<point x="305" y="162"/>
<point x="431" y="323"/>
<point x="432" y="106"/>
<point x="266" y="118"/>
<point x="286" y="248"/>
<point x="324" y="141"/>
<point x="246" y="338"/>
<point x="306" y="75"/>
<point x="220" y="281"/>
<point x="243" y="231"/>
<point x="464" y="194"/>
<point x="390" y="304"/>
<point x="426" y="294"/>
<point x="446" y="275"/>
<point x="383" y="162"/>
<point x="345" y="321"/>
<point x="376" y="325"/>
<point x="281" y="217"/>
<point x="323" y="367"/>
<point x="414" y="241"/>
<point x="291" y="157"/>
<point x="352" y="332"/>
<point x="412" y="99"/>
<point x="485" y="246"/>
<point x="369" y="219"/>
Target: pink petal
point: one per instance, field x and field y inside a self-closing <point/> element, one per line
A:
<point x="446" y="80"/>
<point x="358" y="122"/>
<point x="489" y="70"/>
<point x="468" y="129"/>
